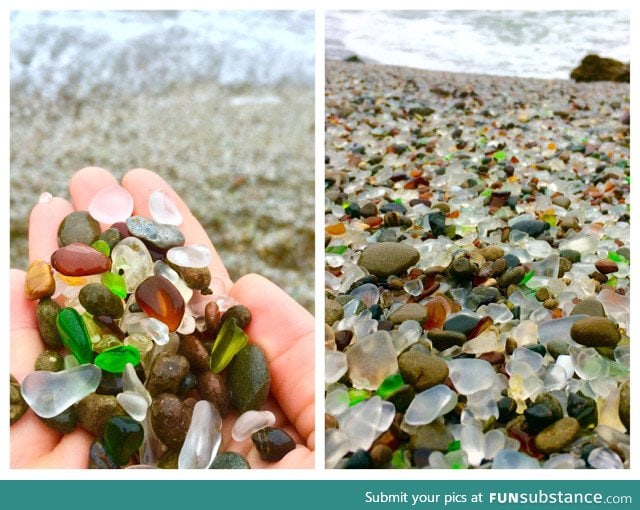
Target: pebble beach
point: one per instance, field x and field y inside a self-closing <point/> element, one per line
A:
<point x="225" y="149"/>
<point x="476" y="271"/>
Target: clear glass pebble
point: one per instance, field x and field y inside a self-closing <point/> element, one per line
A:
<point x="336" y="446"/>
<point x="163" y="209"/>
<point x="471" y="375"/>
<point x="335" y="366"/>
<point x="509" y="459"/>
<point x="193" y="255"/>
<point x="563" y="461"/>
<point x="203" y="437"/>
<point x="368" y="293"/>
<point x="430" y="404"/>
<point x="155" y="329"/>
<point x="336" y="401"/>
<point x="411" y="330"/>
<point x="558" y="329"/>
<point x="604" y="458"/>
<point x="414" y="287"/>
<point x="371" y="360"/>
<point x="250" y="422"/>
<point x="588" y="363"/>
<point x="111" y="205"/>
<point x="494" y="441"/>
<point x="472" y="441"/>
<point x="50" y="393"/>
<point x="134" y="404"/>
<point x="483" y="404"/>
<point x="130" y="258"/>
<point x="363" y="424"/>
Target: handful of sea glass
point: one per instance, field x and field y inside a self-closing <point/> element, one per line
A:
<point x="135" y="354"/>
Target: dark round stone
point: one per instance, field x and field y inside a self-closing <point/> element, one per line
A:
<point x="196" y="353"/>
<point x="272" y="443"/>
<point x="212" y="387"/>
<point x="230" y="460"/>
<point x="359" y="460"/>
<point x="17" y="405"/>
<point x="506" y="409"/>
<point x="94" y="411"/>
<point x="167" y="372"/>
<point x="187" y="384"/>
<point x="110" y="384"/>
<point x="46" y="314"/>
<point x="583" y="409"/>
<point x="240" y="313"/>
<point x="78" y="227"/>
<point x="98" y="300"/>
<point x="49" y="361"/>
<point x="248" y="378"/>
<point x="111" y="236"/>
<point x="538" y="417"/>
<point x="170" y="419"/>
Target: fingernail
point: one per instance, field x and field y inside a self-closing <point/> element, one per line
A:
<point x="45" y="197"/>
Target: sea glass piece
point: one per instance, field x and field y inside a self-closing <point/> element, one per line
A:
<point x="134" y="404"/>
<point x="115" y="359"/>
<point x="122" y="438"/>
<point x="364" y="422"/>
<point x="101" y="246"/>
<point x="371" y="360"/>
<point x="115" y="283"/>
<point x="203" y="437"/>
<point x="77" y="259"/>
<point x="389" y="386"/>
<point x="194" y="255"/>
<point x="162" y="269"/>
<point x="509" y="459"/>
<point x="50" y="393"/>
<point x="160" y="300"/>
<point x="111" y="204"/>
<point x="163" y="209"/>
<point x="356" y="396"/>
<point x="230" y="340"/>
<point x="156" y="330"/>
<point x="250" y="422"/>
<point x="430" y="404"/>
<point x="74" y="334"/>
<point x="471" y="375"/>
<point x="132" y="261"/>
<point x="335" y="366"/>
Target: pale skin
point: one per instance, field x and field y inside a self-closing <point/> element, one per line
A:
<point x="280" y="326"/>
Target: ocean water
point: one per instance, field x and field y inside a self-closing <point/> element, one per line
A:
<point x="75" y="53"/>
<point x="540" y="44"/>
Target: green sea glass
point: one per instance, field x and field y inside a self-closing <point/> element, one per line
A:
<point x="115" y="283"/>
<point x="357" y="396"/>
<point x="230" y="340"/>
<point x="389" y="386"/>
<point x="115" y="359"/>
<point x="74" y="335"/>
<point x="122" y="438"/>
<point x="101" y="246"/>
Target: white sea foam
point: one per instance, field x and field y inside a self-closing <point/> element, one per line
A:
<point x="76" y="53"/>
<point x="541" y="44"/>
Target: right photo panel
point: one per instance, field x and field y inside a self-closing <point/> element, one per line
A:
<point x="477" y="232"/>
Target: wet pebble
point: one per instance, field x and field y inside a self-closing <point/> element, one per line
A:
<point x="170" y="419"/>
<point x="78" y="227"/>
<point x="94" y="411"/>
<point x="272" y="443"/>
<point x="386" y="259"/>
<point x="596" y="332"/>
<point x="166" y="374"/>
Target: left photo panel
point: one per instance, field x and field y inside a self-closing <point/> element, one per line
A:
<point x="162" y="239"/>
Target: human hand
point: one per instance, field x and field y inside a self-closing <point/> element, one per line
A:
<point x="280" y="326"/>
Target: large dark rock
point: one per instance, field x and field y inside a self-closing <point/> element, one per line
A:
<point x="595" y="68"/>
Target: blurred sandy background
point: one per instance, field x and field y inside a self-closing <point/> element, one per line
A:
<point x="235" y="139"/>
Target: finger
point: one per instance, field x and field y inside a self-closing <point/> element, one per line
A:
<point x="44" y="221"/>
<point x="86" y="183"/>
<point x="30" y="439"/>
<point x="24" y="339"/>
<point x="141" y="183"/>
<point x="72" y="452"/>
<point x="284" y="330"/>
